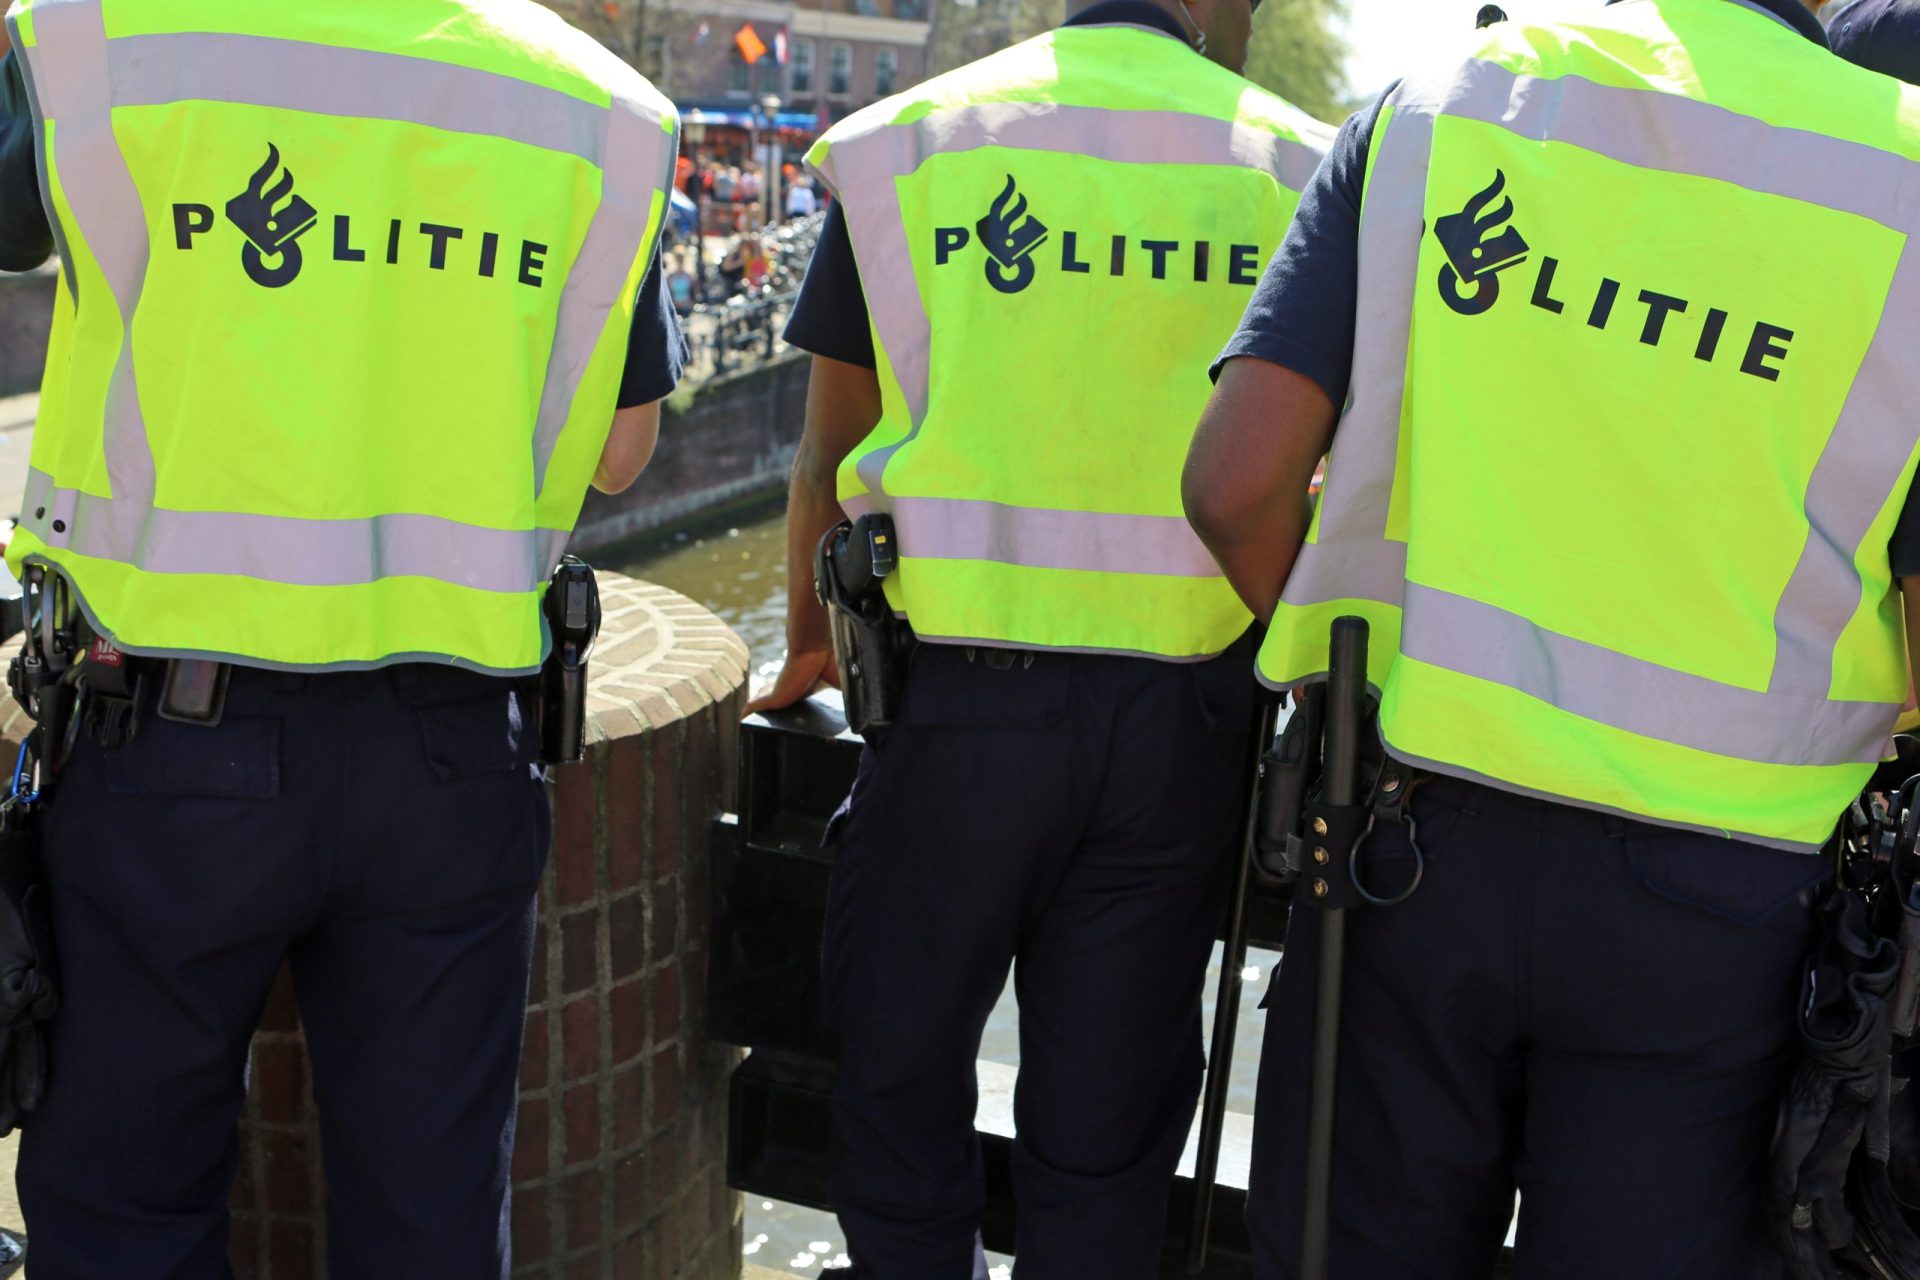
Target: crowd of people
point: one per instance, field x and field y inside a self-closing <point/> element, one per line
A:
<point x="732" y="196"/>
<point x="727" y="247"/>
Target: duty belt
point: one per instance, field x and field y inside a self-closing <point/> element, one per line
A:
<point x="119" y="688"/>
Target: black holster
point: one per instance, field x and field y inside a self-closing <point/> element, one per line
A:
<point x="871" y="646"/>
<point x="572" y="610"/>
<point x="42" y="680"/>
<point x="1289" y="774"/>
<point x="1298" y="836"/>
<point x="27" y="981"/>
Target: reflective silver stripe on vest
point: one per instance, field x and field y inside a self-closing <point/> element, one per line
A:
<point x="1359" y="567"/>
<point x="362" y="84"/>
<point x="1853" y="481"/>
<point x="1048" y="538"/>
<point x="23" y="58"/>
<point x="290" y="550"/>
<point x="871" y="163"/>
<point x="1649" y="129"/>
<point x="1353" y="557"/>
<point x="1654" y="701"/>
<point x="70" y="58"/>
<point x="638" y="163"/>
<point x="1793" y="721"/>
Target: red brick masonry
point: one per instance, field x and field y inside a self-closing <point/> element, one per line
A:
<point x="620" y="1168"/>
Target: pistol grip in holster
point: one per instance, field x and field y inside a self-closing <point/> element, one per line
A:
<point x="572" y="610"/>
<point x="1289" y="774"/>
<point x="871" y="647"/>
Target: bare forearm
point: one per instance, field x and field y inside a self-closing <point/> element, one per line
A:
<point x="843" y="404"/>
<point x="812" y="509"/>
<point x="630" y="445"/>
<point x="1258" y="554"/>
<point x="1245" y="484"/>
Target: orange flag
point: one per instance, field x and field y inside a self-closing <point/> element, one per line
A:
<point x="751" y="46"/>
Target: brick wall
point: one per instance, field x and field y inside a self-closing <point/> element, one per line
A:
<point x="620" y="1165"/>
<point x="734" y="441"/>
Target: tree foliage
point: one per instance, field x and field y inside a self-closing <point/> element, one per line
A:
<point x="964" y="30"/>
<point x="1299" y="51"/>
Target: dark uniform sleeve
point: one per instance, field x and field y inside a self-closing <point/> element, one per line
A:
<point x="656" y="353"/>
<point x="1904" y="547"/>
<point x="830" y="315"/>
<point x="1302" y="312"/>
<point x="1884" y="36"/>
<point x="25" y="238"/>
<point x="1881" y="35"/>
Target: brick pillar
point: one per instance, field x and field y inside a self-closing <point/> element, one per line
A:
<point x="620" y="1167"/>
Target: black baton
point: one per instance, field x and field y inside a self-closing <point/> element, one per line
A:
<point x="1341" y="788"/>
<point x="1226" y="1008"/>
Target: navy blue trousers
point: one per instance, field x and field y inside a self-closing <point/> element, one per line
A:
<point x="385" y="832"/>
<point x="1593" y="1012"/>
<point x="1070" y="819"/>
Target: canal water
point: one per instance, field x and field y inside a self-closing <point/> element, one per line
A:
<point x="740" y="573"/>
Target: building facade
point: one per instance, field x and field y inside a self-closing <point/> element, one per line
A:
<point x="963" y="30"/>
<point x="822" y="59"/>
<point x="845" y="54"/>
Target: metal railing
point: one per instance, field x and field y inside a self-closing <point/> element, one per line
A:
<point x="741" y="326"/>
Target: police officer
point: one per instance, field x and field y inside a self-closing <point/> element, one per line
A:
<point x="346" y="296"/>
<point x="1618" y="352"/>
<point x="1021" y="260"/>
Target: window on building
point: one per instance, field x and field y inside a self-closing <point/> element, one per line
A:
<point x="655" y="59"/>
<point x="738" y="72"/>
<point x="886" y="68"/>
<point x="866" y="6"/>
<point x="769" y="75"/>
<point x="840" y="73"/>
<point x="802" y="66"/>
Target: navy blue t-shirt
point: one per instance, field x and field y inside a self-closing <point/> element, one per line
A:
<point x="1881" y="35"/>
<point x="829" y="318"/>
<point x="656" y="353"/>
<point x="1303" y="312"/>
<point x="1884" y="36"/>
<point x="25" y="239"/>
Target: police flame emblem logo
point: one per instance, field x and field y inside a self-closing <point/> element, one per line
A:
<point x="273" y="218"/>
<point x="1009" y="241"/>
<point x="1478" y="247"/>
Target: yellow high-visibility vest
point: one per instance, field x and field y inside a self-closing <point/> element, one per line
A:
<point x="344" y="305"/>
<point x="1053" y="242"/>
<point x="1631" y="421"/>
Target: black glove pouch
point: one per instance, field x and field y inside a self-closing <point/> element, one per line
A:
<point x="27" y="996"/>
<point x="1839" y="1087"/>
